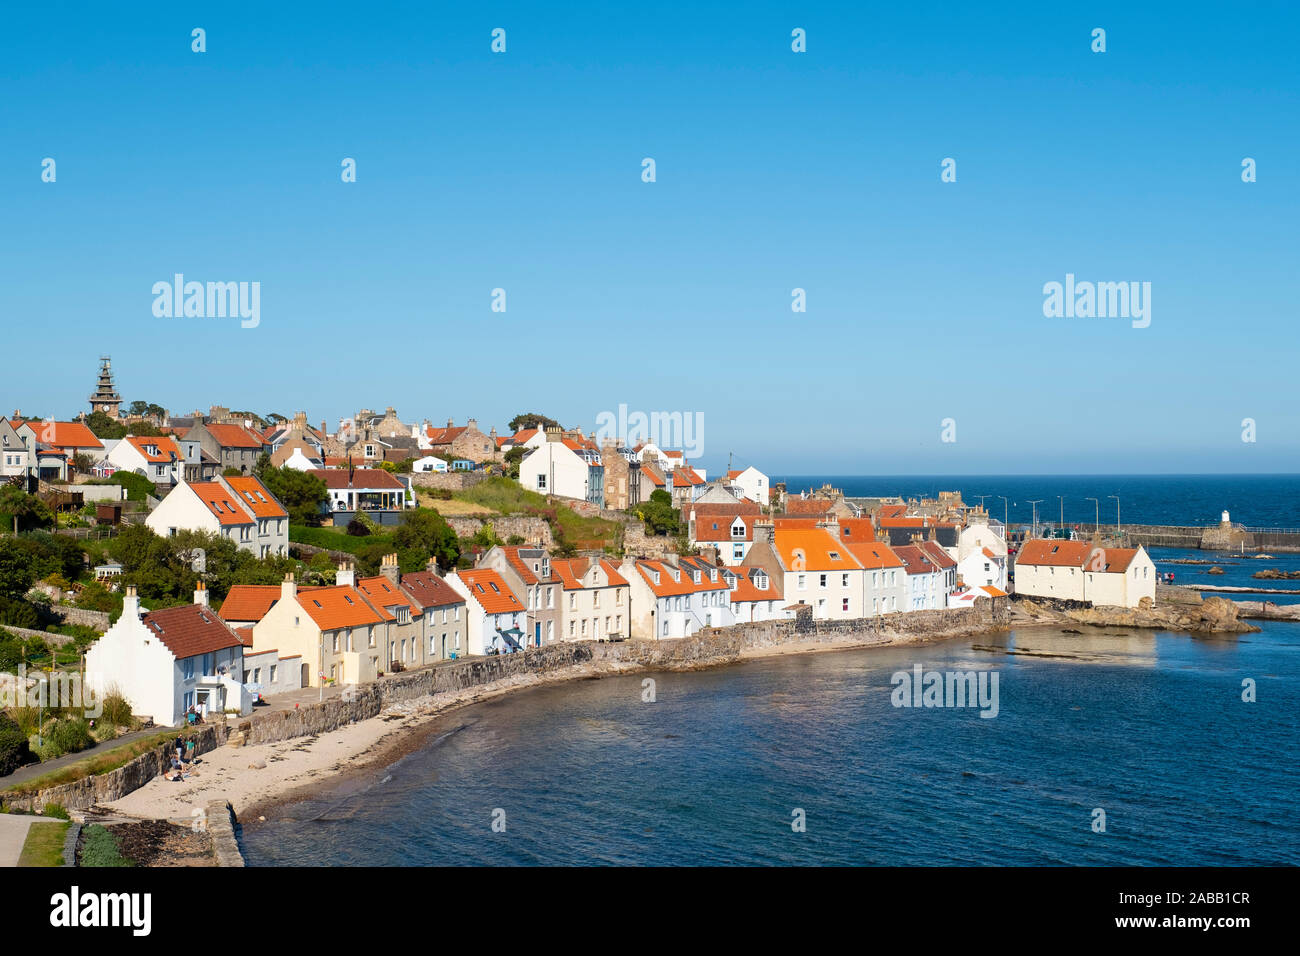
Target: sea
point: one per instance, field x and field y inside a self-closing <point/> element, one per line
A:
<point x="1111" y="747"/>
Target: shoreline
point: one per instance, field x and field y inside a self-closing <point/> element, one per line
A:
<point x="262" y="779"/>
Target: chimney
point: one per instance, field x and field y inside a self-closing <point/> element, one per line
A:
<point x="345" y="575"/>
<point x="472" y="423"/>
<point x="201" y="594"/>
<point x="763" y="531"/>
<point x="451" y="423"/>
<point x="131" y="603"/>
<point x="432" y="566"/>
<point x="388" y="567"/>
<point x="552" y="432"/>
<point x="288" y="588"/>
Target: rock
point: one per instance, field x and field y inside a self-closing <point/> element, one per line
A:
<point x="257" y="765"/>
<point x="1218" y="570"/>
<point x="1276" y="574"/>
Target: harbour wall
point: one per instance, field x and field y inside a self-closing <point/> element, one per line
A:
<point x="1212" y="538"/>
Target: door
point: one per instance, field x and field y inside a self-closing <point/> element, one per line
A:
<point x="306" y="676"/>
<point x="537" y="634"/>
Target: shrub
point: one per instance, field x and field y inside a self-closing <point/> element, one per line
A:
<point x="55" y="810"/>
<point x="18" y="613"/>
<point x="14" y="748"/>
<point x="70" y="736"/>
<point x="116" y="709"/>
<point x="99" y="848"/>
<point x="358" y="529"/>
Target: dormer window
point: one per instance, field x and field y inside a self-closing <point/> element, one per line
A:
<point x="834" y="555"/>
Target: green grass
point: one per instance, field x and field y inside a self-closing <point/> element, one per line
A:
<point x="335" y="539"/>
<point x="96" y="764"/>
<point x="44" y="846"/>
<point x="100" y="849"/>
<point x="509" y="497"/>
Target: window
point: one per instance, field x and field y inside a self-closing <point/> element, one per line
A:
<point x="845" y="606"/>
<point x="541" y="482"/>
<point x="370" y="633"/>
<point x="595" y="598"/>
<point x="801" y="582"/>
<point x="572" y="625"/>
<point x="618" y="596"/>
<point x="573" y="601"/>
<point x="665" y="628"/>
<point x="821" y="580"/>
<point x="336" y="642"/>
<point x="844" y="580"/>
<point x="189" y="668"/>
<point x="584" y="627"/>
<point x="738" y="552"/>
<point x="273" y="670"/>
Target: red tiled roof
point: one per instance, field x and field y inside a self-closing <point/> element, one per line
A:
<point x="444" y="436"/>
<point x="256" y="497"/>
<point x="234" y="436"/>
<point x="938" y="556"/>
<point x="666" y="587"/>
<point x="684" y="476"/>
<point x="616" y="578"/>
<point x="807" y="506"/>
<point x="490" y="590"/>
<point x="718" y="528"/>
<point x="1113" y="561"/>
<point x="430" y="590"/>
<point x="249" y="602"/>
<point x="857" y="529"/>
<point x="874" y="554"/>
<point x="191" y="630"/>
<point x="747" y="590"/>
<point x="742" y="506"/>
<point x="891" y="511"/>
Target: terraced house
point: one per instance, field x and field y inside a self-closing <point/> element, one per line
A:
<point x="341" y="637"/>
<point x="496" y="620"/>
<point x="596" y="599"/>
<point x="814" y="566"/>
<point x="676" y="600"/>
<point x="528" y="574"/>
<point x="231" y="446"/>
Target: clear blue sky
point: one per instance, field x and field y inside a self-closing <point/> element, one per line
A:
<point x="775" y="170"/>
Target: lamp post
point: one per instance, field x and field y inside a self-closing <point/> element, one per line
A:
<point x="1036" y="502"/>
<point x="1006" y="523"/>
<point x="1096" y="524"/>
<point x="1061" y="498"/>
<point x="1119" y="528"/>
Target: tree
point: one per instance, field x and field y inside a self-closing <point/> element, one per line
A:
<point x="137" y="407"/>
<point x="263" y="463"/>
<point x="512" y="458"/>
<point x="104" y="426"/>
<point x="531" y="420"/>
<point x="301" y="494"/>
<point x="659" y="515"/>
<point x="426" y="530"/>
<point x="21" y="510"/>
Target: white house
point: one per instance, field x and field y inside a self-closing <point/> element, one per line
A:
<point x="982" y="568"/>
<point x="676" y="600"/>
<point x="565" y="467"/>
<point x="1119" y="577"/>
<point x="755" y="596"/>
<point x="816" y="568"/>
<point x="429" y="463"/>
<point x="160" y="459"/>
<point x="752" y="483"/>
<point x="496" y="620"/>
<point x="927" y="578"/>
<point x="14" y="456"/>
<point x="731" y="534"/>
<point x="238" y="508"/>
<point x="165" y="662"/>
<point x="595" y="600"/>
<point x="1079" y="571"/>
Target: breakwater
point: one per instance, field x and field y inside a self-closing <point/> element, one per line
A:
<point x="709" y="647"/>
<point x="1219" y="537"/>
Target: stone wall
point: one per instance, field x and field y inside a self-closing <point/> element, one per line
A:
<point x="534" y="530"/>
<point x="450" y="481"/>
<point x="641" y="545"/>
<point x="80" y="615"/>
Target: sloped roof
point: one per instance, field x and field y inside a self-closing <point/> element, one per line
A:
<point x="667" y="587"/>
<point x="808" y="506"/>
<point x="366" y="479"/>
<point x="1049" y="552"/>
<point x="191" y="630"/>
<point x="430" y="590"/>
<point x="249" y="602"/>
<point x="491" y="591"/>
<point x="817" y="547"/>
<point x="221" y="503"/>
<point x="234" y="436"/>
<point x="384" y="593"/>
<point x="718" y="527"/>
<point x="256" y="497"/>
<point x="340" y="606"/>
<point x="64" y="434"/>
<point x="167" y="449"/>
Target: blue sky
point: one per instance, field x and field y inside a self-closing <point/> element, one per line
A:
<point x="775" y="170"/>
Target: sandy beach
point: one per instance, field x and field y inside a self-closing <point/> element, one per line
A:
<point x="258" y="779"/>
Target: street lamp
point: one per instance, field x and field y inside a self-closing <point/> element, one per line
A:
<point x="1061" y="498"/>
<point x="1119" y="528"/>
<point x="1096" y="524"/>
<point x="1036" y="503"/>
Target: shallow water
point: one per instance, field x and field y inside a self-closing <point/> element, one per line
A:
<point x="1150" y="727"/>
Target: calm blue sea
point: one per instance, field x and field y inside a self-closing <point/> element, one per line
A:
<point x="1149" y="727"/>
<point x="1268" y="501"/>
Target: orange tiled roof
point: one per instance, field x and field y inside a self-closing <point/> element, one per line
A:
<point x="817" y="547"/>
<point x="874" y="554"/>
<point x="891" y="511"/>
<point x="221" y="503"/>
<point x="718" y="528"/>
<point x="249" y="602"/>
<point x="615" y="577"/>
<point x="1048" y="552"/>
<point x="747" y="590"/>
<point x="365" y="479"/>
<point x="490" y="590"/>
<point x="684" y="476"/>
<point x="167" y="449"/>
<point x="807" y="506"/>
<point x="444" y="436"/>
<point x="916" y="560"/>
<point x="340" y="606"/>
<point x="383" y="592"/>
<point x="857" y="529"/>
<point x="992" y="591"/>
<point x="64" y="434"/>
<point x="990" y="554"/>
<point x="570" y="572"/>
<point x="256" y="497"/>
<point x="1114" y="560"/>
<point x="717" y="582"/>
<point x="667" y="586"/>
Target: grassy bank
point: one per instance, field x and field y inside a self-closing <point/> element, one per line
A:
<point x="44" y="846"/>
<point x="98" y="763"/>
